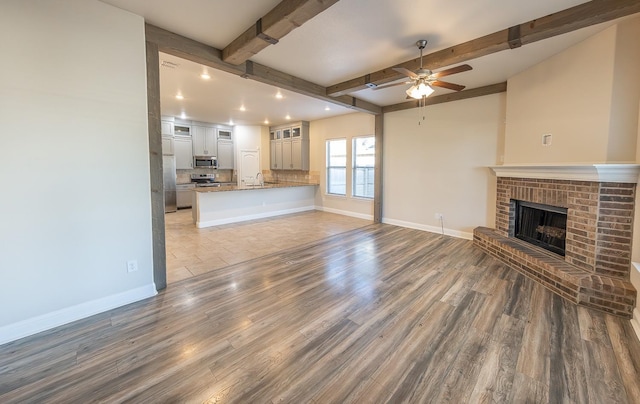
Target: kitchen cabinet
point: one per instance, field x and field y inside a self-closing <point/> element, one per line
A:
<point x="183" y="152"/>
<point x="275" y="149"/>
<point x="184" y="195"/>
<point x="290" y="147"/>
<point x="204" y="140"/>
<point x="167" y="145"/>
<point x="166" y="128"/>
<point x="225" y="155"/>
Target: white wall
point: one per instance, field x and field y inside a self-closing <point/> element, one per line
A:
<point x="582" y="97"/>
<point x="441" y="165"/>
<point x="75" y="163"/>
<point x="339" y="127"/>
<point x="635" y="251"/>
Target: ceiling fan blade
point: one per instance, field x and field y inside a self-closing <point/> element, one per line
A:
<point x="444" y="84"/>
<point x="391" y="85"/>
<point x="406" y="72"/>
<point x="453" y="70"/>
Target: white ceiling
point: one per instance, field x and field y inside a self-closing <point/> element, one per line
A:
<point x="350" y="39"/>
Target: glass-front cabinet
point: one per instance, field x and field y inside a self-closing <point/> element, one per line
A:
<point x="290" y="146"/>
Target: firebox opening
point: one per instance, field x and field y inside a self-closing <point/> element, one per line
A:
<point x="541" y="225"/>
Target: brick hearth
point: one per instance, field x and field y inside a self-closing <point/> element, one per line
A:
<point x="595" y="271"/>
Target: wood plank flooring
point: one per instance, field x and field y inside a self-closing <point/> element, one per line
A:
<point x="374" y="315"/>
<point x="192" y="251"/>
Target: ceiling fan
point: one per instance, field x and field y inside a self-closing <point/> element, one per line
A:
<point x="423" y="79"/>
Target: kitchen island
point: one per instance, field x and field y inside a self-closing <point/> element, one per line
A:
<point x="213" y="206"/>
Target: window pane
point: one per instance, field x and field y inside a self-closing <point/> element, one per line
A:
<point x="337" y="167"/>
<point x="364" y="161"/>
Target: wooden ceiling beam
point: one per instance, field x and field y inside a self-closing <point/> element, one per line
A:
<point x="461" y="95"/>
<point x="177" y="45"/>
<point x="273" y="26"/>
<point x="571" y="19"/>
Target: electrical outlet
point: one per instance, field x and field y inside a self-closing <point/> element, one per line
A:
<point x="439" y="216"/>
<point x="132" y="266"/>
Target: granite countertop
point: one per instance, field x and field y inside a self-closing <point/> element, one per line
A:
<point x="267" y="185"/>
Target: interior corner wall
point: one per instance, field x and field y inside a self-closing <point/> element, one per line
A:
<point x="442" y="165"/>
<point x="626" y="93"/>
<point x="568" y="96"/>
<point x="339" y="127"/>
<point x="75" y="163"/>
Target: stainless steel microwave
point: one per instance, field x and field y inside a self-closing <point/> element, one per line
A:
<point x="205" y="162"/>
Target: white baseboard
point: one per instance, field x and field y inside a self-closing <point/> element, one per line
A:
<point x="67" y="315"/>
<point x="244" y="218"/>
<point x="431" y="229"/>
<point x="345" y="213"/>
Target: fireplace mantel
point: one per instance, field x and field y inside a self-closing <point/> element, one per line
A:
<point x="626" y="173"/>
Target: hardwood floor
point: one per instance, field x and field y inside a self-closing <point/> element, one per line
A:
<point x="192" y="251"/>
<point x="378" y="314"/>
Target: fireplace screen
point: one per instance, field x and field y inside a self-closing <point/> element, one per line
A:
<point x="541" y="225"/>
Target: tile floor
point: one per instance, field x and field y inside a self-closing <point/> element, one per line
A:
<point x="192" y="251"/>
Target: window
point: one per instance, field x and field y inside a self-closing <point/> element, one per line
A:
<point x="337" y="167"/>
<point x="364" y="163"/>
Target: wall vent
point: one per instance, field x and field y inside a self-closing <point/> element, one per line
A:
<point x="170" y="65"/>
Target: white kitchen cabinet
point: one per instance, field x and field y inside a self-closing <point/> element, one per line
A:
<point x="204" y="140"/>
<point x="290" y="147"/>
<point x="225" y="155"/>
<point x="166" y="128"/>
<point x="167" y="145"/>
<point x="183" y="152"/>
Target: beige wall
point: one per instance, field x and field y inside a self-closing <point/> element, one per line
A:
<point x="581" y="96"/>
<point x="441" y="166"/>
<point x="346" y="127"/>
<point x="626" y="93"/>
<point x="72" y="99"/>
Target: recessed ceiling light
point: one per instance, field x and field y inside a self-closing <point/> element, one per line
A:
<point x="242" y="108"/>
<point x="279" y="95"/>
<point x="287" y="117"/>
<point x="266" y="122"/>
<point x="179" y="96"/>
<point x="230" y="121"/>
<point x="183" y="115"/>
<point x="205" y="76"/>
<point x="327" y="108"/>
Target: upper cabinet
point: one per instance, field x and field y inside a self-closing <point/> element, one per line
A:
<point x="167" y="145"/>
<point x="166" y="128"/>
<point x="225" y="149"/>
<point x="290" y="146"/>
<point x="184" y="152"/>
<point x="204" y="140"/>
<point x="186" y="139"/>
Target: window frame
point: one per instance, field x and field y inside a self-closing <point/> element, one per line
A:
<point x="355" y="167"/>
<point x="329" y="167"/>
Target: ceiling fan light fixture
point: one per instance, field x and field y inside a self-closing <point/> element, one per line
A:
<point x="419" y="90"/>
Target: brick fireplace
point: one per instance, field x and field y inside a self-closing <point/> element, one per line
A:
<point x="599" y="201"/>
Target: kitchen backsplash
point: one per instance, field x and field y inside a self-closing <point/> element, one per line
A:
<point x="184" y="176"/>
<point x="305" y="177"/>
